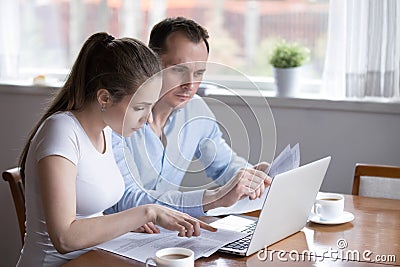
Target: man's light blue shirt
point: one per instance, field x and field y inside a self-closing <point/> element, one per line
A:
<point x="153" y="174"/>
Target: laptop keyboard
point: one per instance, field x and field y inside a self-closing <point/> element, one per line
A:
<point x="244" y="242"/>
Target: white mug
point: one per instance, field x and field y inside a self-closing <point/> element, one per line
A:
<point x="173" y="257"/>
<point x="329" y="206"/>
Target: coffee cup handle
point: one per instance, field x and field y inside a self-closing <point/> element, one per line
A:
<point x="149" y="260"/>
<point x="316" y="208"/>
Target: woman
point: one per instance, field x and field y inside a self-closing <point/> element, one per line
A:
<point x="68" y="164"/>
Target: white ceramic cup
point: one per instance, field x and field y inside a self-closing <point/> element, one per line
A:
<point x="329" y="206"/>
<point x="173" y="257"/>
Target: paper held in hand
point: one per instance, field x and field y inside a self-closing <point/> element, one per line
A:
<point x="288" y="159"/>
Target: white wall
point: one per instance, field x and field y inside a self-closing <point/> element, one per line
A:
<point x="350" y="132"/>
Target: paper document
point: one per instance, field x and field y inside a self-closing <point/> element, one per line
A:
<point x="232" y="222"/>
<point x="140" y="246"/>
<point x="288" y="159"/>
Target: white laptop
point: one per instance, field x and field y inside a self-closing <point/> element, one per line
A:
<point x="285" y="210"/>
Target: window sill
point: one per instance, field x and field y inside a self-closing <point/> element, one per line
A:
<point x="304" y="101"/>
<point x="252" y="97"/>
<point x="27" y="88"/>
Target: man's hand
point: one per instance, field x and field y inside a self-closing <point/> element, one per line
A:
<point x="262" y="166"/>
<point x="246" y="183"/>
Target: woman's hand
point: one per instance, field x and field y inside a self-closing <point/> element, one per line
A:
<point x="148" y="228"/>
<point x="177" y="221"/>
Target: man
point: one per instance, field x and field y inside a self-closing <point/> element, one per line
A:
<point x="155" y="159"/>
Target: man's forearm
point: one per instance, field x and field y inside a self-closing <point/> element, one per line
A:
<point x="188" y="202"/>
<point x="211" y="199"/>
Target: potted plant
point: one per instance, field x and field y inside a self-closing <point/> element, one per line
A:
<point x="287" y="60"/>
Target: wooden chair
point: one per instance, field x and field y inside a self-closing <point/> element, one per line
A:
<point x="377" y="181"/>
<point x="17" y="187"/>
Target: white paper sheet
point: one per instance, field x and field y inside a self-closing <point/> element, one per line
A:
<point x="233" y="223"/>
<point x="140" y="246"/>
<point x="288" y="159"/>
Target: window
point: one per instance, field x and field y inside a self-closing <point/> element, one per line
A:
<point x="242" y="32"/>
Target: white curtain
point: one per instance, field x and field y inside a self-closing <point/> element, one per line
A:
<point x="363" y="51"/>
<point x="9" y="39"/>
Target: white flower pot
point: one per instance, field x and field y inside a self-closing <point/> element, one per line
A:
<point x="287" y="81"/>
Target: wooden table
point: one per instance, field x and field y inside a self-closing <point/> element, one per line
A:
<point x="374" y="234"/>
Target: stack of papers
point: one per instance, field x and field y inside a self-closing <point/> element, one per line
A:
<point x="288" y="159"/>
<point x="140" y="246"/>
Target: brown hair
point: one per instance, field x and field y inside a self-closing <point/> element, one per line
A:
<point x="191" y="29"/>
<point x="118" y="65"/>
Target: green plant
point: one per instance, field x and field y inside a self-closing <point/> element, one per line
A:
<point x="289" y="55"/>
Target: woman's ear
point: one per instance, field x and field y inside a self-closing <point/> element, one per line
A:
<point x="103" y="97"/>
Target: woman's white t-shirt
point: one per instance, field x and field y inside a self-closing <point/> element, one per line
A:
<point x="99" y="184"/>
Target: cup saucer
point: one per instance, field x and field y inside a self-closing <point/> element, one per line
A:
<point x="344" y="218"/>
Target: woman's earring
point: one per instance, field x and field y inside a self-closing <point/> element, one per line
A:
<point x="103" y="108"/>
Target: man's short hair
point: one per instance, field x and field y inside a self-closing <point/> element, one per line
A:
<point x="191" y="29"/>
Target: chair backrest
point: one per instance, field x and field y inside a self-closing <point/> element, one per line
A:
<point x="17" y="187"/>
<point x="377" y="181"/>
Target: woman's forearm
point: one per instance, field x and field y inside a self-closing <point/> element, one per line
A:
<point x="85" y="233"/>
